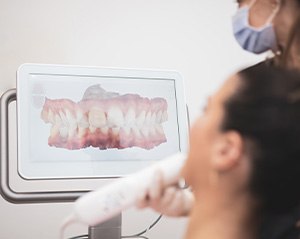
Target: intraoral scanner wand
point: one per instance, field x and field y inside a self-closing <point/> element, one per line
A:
<point x="100" y="205"/>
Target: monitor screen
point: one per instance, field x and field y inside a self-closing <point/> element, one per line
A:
<point x="86" y="122"/>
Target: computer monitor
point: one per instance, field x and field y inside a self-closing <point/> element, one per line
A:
<point x="81" y="127"/>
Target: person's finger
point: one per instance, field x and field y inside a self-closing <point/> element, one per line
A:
<point x="176" y="205"/>
<point x="188" y="201"/>
<point x="168" y="196"/>
<point x="142" y="199"/>
<point x="155" y="190"/>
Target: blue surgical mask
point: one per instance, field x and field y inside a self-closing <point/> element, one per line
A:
<point x="256" y="40"/>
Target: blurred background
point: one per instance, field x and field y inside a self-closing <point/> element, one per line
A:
<point x="193" y="37"/>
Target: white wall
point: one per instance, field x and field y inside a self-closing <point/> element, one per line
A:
<point x="191" y="36"/>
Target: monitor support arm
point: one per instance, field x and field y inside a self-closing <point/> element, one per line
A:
<point x="6" y="191"/>
<point x="110" y="229"/>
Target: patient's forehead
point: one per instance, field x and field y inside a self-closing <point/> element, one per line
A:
<point x="227" y="89"/>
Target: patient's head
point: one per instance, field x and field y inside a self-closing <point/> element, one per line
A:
<point x="248" y="139"/>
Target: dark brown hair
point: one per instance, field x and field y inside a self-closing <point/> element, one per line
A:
<point x="294" y="38"/>
<point x="265" y="110"/>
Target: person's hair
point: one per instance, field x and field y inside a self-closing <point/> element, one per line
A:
<point x="294" y="38"/>
<point x="265" y="110"/>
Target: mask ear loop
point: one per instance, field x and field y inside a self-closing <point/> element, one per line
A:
<point x="252" y="3"/>
<point x="275" y="11"/>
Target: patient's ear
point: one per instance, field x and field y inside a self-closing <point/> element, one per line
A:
<point x="227" y="151"/>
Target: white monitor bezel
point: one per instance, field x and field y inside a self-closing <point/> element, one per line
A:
<point x="18" y="183"/>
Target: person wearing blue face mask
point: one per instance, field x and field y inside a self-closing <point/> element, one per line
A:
<point x="258" y="26"/>
<point x="263" y="25"/>
<point x="255" y="39"/>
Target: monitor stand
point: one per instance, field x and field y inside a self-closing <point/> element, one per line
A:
<point x="110" y="229"/>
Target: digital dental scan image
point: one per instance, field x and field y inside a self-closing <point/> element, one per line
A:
<point x="104" y="120"/>
<point x="96" y="123"/>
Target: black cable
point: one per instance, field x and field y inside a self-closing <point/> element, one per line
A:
<point x="140" y="234"/>
<point x="86" y="236"/>
<point x="143" y="237"/>
<point x="137" y="235"/>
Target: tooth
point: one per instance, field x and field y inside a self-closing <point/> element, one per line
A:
<point x="45" y="116"/>
<point x="145" y="131"/>
<point x="148" y="118"/>
<point x="81" y="132"/>
<point x="159" y="129"/>
<point x="115" y="130"/>
<point x="152" y="131"/>
<point x="115" y="117"/>
<point x="153" y="118"/>
<point x="63" y="118"/>
<point x="51" y="117"/>
<point x="136" y="132"/>
<point x="164" y="116"/>
<point x="69" y="115"/>
<point x="158" y="117"/>
<point x="127" y="130"/>
<point x="73" y="125"/>
<point x="104" y="130"/>
<point x="63" y="131"/>
<point x="79" y="115"/>
<point x="130" y="117"/>
<point x="57" y="120"/>
<point x="71" y="120"/>
<point x="141" y="119"/>
<point x="72" y="131"/>
<point x="97" y="117"/>
<point x="54" y="131"/>
<point x="83" y="123"/>
<point x="92" y="129"/>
